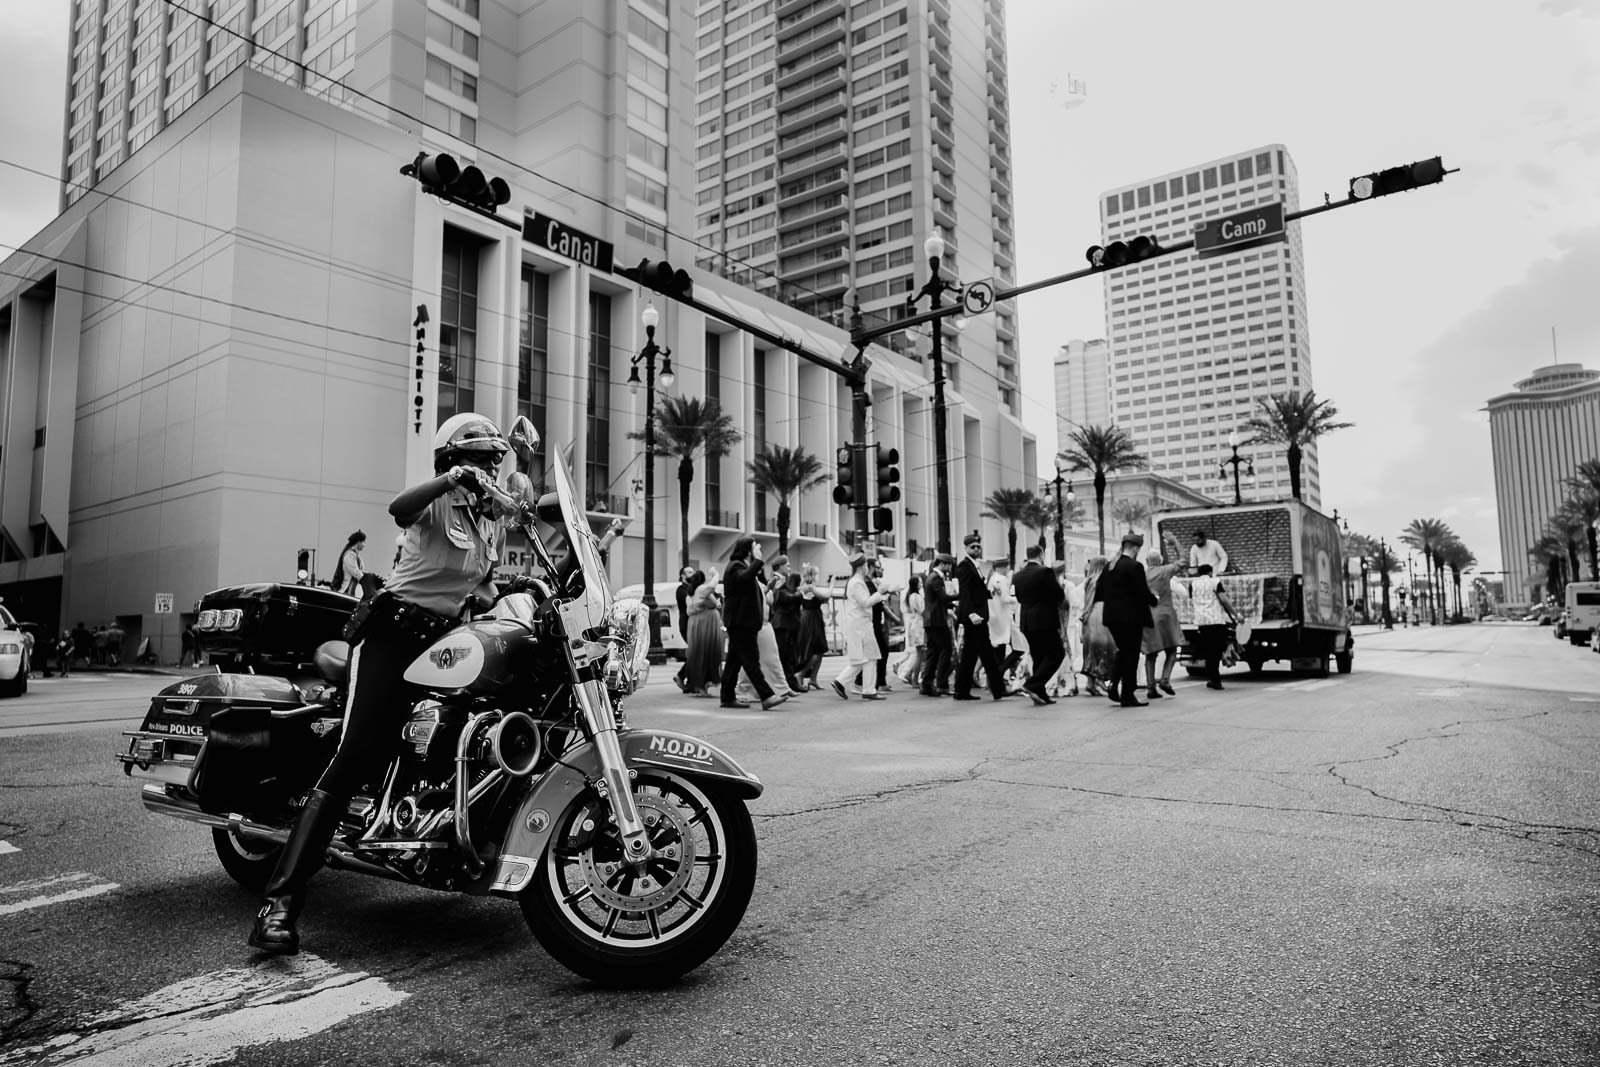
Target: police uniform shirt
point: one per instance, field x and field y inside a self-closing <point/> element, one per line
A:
<point x="449" y="551"/>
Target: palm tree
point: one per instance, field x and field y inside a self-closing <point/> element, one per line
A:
<point x="1360" y="546"/>
<point x="1010" y="506"/>
<point x="1458" y="557"/>
<point x="783" y="472"/>
<point x="1548" y="554"/>
<point x="1583" y="506"/>
<point x="1295" y="419"/>
<point x="1131" y="513"/>
<point x="1427" y="535"/>
<point x="687" y="426"/>
<point x="1101" y="449"/>
<point x="1041" y="516"/>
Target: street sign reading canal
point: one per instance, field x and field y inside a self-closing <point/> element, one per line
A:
<point x="569" y="241"/>
<point x="1245" y="229"/>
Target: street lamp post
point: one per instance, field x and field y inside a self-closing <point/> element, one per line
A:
<point x="1383" y="579"/>
<point x="650" y="317"/>
<point x="1234" y="461"/>
<point x="934" y="290"/>
<point x="1061" y="514"/>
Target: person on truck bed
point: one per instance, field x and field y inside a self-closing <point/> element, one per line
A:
<point x="1206" y="551"/>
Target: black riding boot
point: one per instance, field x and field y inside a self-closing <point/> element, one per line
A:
<point x="274" y="931"/>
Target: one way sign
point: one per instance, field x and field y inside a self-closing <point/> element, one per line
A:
<point x="978" y="297"/>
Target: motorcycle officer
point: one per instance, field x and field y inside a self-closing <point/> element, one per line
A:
<point x="451" y="543"/>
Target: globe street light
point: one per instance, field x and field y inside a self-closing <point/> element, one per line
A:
<point x="934" y="289"/>
<point x="650" y="317"/>
<point x="1234" y="442"/>
<point x="1061" y="515"/>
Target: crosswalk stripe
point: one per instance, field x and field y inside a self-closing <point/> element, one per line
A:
<point x="74" y="886"/>
<point x="7" y="846"/>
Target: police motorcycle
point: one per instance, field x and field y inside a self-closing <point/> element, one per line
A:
<point x="631" y="851"/>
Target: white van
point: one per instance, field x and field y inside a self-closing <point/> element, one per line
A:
<point x="1583" y="611"/>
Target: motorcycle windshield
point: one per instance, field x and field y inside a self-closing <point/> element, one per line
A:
<point x="589" y="610"/>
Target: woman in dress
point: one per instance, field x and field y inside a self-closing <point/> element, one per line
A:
<point x="704" y="665"/>
<point x="1167" y="634"/>
<point x="1071" y="633"/>
<point x="1099" y="650"/>
<point x="811" y="643"/>
<point x="910" y="667"/>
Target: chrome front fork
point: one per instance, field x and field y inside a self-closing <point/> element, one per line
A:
<point x="616" y="785"/>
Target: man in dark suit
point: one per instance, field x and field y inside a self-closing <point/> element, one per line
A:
<point x="743" y="616"/>
<point x="1128" y="601"/>
<point x="1040" y="595"/>
<point x="936" y="626"/>
<point x="972" y="611"/>
<point x="683" y="591"/>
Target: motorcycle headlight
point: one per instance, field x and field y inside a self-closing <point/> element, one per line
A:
<point x="229" y="618"/>
<point x="10" y="648"/>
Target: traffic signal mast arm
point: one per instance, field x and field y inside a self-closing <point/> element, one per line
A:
<point x="1380" y="183"/>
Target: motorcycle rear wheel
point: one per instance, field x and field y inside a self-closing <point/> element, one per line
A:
<point x="250" y="863"/>
<point x="601" y="920"/>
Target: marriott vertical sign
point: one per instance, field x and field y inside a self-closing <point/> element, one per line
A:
<point x="1246" y="229"/>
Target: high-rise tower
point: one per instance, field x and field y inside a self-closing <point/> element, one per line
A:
<point x="1196" y="342"/>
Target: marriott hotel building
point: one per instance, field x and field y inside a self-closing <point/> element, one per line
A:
<point x="1194" y="343"/>
<point x="208" y="360"/>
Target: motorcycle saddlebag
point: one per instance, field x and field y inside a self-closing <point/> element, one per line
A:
<point x="270" y="627"/>
<point x="262" y="742"/>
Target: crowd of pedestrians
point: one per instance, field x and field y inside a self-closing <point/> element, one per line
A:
<point x="78" y="647"/>
<point x="759" y="633"/>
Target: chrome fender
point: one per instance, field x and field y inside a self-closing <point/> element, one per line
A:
<point x="531" y="826"/>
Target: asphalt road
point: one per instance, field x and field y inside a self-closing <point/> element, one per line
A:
<point x="1398" y="866"/>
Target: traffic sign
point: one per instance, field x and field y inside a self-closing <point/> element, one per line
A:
<point x="978" y="297"/>
<point x="1244" y="229"/>
<point x="164" y="603"/>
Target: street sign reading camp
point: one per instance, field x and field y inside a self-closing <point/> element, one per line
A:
<point x="978" y="297"/>
<point x="1244" y="229"/>
<point x="568" y="241"/>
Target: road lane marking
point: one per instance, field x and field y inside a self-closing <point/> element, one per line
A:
<point x="1575" y="700"/>
<point x="74" y="886"/>
<point x="212" y="1017"/>
<point x="7" y="846"/>
<point x="1321" y="683"/>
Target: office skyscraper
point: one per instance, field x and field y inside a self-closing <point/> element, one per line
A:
<point x="1082" y="394"/>
<point x="1196" y="342"/>
<point x="1539" y="432"/>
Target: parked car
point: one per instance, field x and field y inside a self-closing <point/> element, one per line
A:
<point x="14" y="665"/>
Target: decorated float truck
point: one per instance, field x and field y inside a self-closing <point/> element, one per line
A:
<point x="1284" y="578"/>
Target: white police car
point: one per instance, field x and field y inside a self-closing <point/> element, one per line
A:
<point x="13" y="656"/>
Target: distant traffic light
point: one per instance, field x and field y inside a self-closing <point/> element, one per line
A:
<point x="888" y="474"/>
<point x="1120" y="253"/>
<point x="1397" y="179"/>
<point x="302" y="564"/>
<point x="468" y="186"/>
<point x="660" y="276"/>
<point x="847" y="489"/>
<point x="883" y="519"/>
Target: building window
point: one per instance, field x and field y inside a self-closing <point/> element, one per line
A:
<point x="458" y="324"/>
<point x="598" y="466"/>
<point x="1191" y="183"/>
<point x="446" y="119"/>
<point x="713" y="392"/>
<point x="1246" y="172"/>
<point x="450" y="35"/>
<point x="448" y="76"/>
<point x="533" y="347"/>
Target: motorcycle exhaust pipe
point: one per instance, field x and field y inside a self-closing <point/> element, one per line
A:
<point x="156" y="800"/>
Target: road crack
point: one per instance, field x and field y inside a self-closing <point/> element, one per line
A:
<point x="856" y="800"/>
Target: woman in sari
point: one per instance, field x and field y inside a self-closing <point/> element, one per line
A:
<point x="703" y="666"/>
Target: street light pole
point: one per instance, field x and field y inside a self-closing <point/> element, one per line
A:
<point x="1061" y="514"/>
<point x="650" y="317"/>
<point x="1383" y="579"/>
<point x="1234" y="461"/>
<point x="935" y="288"/>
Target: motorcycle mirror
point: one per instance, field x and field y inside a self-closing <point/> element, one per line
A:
<point x="524" y="440"/>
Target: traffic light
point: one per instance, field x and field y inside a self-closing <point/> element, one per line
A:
<point x="883" y="519"/>
<point x="1121" y="253"/>
<point x="888" y="475"/>
<point x="302" y="564"/>
<point x="847" y="487"/>
<point x="1397" y="179"/>
<point x="662" y="277"/>
<point x="467" y="186"/>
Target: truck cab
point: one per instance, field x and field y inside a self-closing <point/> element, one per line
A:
<point x="1583" y="611"/>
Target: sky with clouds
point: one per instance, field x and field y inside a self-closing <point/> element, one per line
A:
<point x="1422" y="305"/>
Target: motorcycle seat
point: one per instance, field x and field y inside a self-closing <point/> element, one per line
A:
<point x="332" y="660"/>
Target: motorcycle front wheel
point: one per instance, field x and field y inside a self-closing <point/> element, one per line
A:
<point x="625" y="928"/>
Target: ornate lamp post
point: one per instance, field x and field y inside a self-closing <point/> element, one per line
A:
<point x="934" y="289"/>
<point x="1061" y="514"/>
<point x="1234" y="461"/>
<point x="1384" y="563"/>
<point x="650" y="317"/>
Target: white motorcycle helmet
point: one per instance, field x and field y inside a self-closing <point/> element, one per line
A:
<point x="467" y="438"/>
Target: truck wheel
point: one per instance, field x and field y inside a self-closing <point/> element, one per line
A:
<point x="1254" y="663"/>
<point x="1345" y="661"/>
<point x="1576" y="638"/>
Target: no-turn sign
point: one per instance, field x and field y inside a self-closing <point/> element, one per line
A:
<point x="978" y="297"/>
